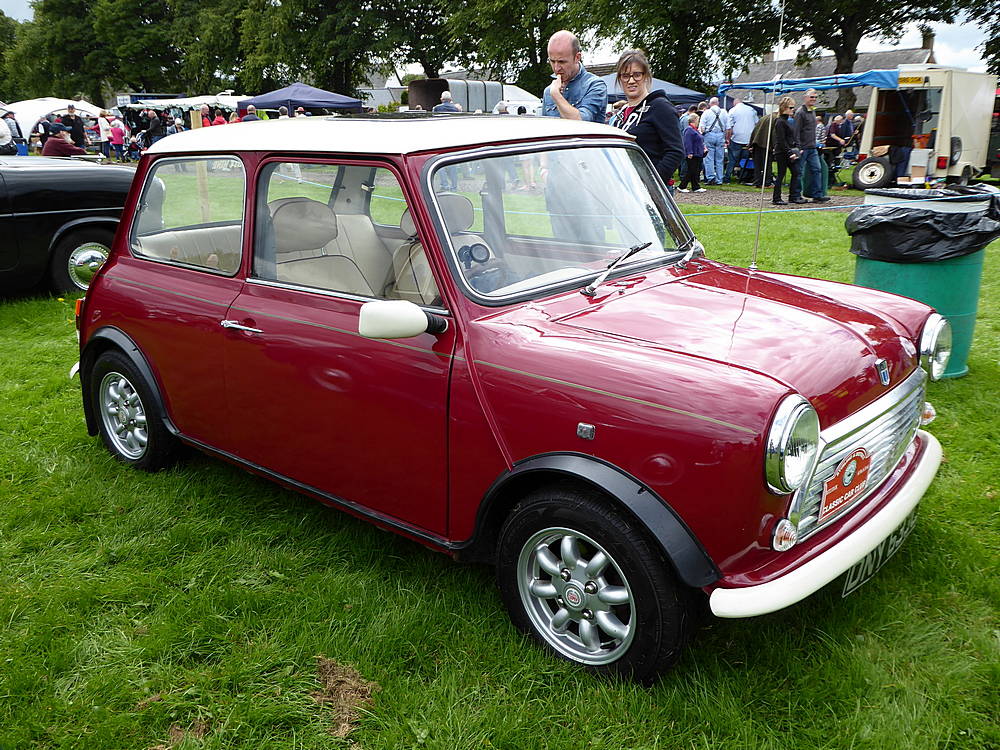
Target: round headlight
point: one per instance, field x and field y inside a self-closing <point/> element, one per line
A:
<point x="792" y="445"/>
<point x="935" y="346"/>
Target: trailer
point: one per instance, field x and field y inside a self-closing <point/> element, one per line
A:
<point x="933" y="126"/>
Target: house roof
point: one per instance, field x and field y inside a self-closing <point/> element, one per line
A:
<point x="825" y="65"/>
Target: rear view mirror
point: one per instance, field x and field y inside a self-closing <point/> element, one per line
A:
<point x="397" y="319"/>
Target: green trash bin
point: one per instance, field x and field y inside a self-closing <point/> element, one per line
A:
<point x="950" y="222"/>
<point x="949" y="286"/>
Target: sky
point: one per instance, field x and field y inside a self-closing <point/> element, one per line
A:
<point x="954" y="44"/>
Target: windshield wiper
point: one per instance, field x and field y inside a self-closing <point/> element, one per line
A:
<point x="591" y="289"/>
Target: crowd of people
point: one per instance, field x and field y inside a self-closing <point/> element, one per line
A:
<point x="121" y="136"/>
<point x="703" y="142"/>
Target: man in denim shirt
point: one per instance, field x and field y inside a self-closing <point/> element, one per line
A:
<point x="574" y="94"/>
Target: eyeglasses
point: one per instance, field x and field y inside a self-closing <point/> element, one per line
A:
<point x="633" y="76"/>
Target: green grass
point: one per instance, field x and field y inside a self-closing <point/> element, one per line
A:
<point x="186" y="608"/>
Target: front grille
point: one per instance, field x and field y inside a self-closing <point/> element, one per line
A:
<point x="884" y="428"/>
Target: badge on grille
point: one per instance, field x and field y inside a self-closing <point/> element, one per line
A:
<point x="847" y="483"/>
<point x="883" y="371"/>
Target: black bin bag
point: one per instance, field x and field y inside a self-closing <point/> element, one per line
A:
<point x="914" y="229"/>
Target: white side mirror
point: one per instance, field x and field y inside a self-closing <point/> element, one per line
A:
<point x="397" y="319"/>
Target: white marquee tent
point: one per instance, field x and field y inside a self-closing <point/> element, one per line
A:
<point x="29" y="111"/>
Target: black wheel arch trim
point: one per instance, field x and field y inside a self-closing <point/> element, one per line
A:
<point x="691" y="561"/>
<point x="89" y="222"/>
<point x="119" y="340"/>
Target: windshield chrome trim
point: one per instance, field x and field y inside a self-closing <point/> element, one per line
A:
<point x="556" y="144"/>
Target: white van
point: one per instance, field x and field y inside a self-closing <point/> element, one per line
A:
<point x="934" y="126"/>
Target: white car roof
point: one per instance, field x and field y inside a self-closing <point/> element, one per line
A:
<point x="373" y="135"/>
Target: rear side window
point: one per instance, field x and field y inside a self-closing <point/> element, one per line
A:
<point x="191" y="213"/>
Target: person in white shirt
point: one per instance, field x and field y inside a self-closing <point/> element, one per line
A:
<point x="742" y="119"/>
<point x="714" y="126"/>
<point x="104" y="133"/>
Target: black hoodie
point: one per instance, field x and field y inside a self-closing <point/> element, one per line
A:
<point x="653" y="122"/>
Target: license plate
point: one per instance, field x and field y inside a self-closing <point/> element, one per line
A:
<point x="869" y="565"/>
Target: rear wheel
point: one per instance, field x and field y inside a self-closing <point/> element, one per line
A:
<point x="580" y="578"/>
<point x="129" y="421"/>
<point x="77" y="258"/>
<point x="873" y="172"/>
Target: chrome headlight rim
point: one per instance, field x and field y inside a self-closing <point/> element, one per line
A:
<point x="935" y="335"/>
<point x="790" y="413"/>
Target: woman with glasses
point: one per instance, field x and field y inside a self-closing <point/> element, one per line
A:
<point x="649" y="116"/>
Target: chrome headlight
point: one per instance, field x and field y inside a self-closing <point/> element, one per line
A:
<point x="792" y="445"/>
<point x="935" y="345"/>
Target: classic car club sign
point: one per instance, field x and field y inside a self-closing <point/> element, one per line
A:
<point x="847" y="483"/>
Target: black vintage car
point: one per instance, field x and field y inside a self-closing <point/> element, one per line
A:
<point x="57" y="220"/>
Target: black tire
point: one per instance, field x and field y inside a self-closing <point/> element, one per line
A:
<point x="128" y="417"/>
<point x="963" y="179"/>
<point x="628" y="618"/>
<point x="873" y="172"/>
<point x="75" y="258"/>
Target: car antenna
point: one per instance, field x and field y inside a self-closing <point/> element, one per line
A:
<point x="765" y="171"/>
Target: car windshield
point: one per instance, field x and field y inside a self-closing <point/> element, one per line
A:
<point x="524" y="223"/>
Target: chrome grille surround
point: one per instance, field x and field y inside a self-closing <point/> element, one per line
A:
<point x="885" y="428"/>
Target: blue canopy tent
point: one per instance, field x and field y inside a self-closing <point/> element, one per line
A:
<point x="302" y="95"/>
<point x="676" y="94"/>
<point x="883" y="79"/>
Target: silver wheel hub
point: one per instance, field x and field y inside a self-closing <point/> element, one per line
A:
<point x="576" y="596"/>
<point x="123" y="415"/>
<point x="84" y="261"/>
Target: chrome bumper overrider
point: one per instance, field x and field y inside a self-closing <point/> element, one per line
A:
<point x="811" y="576"/>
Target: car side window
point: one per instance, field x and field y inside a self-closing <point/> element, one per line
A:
<point x="340" y="228"/>
<point x="191" y="213"/>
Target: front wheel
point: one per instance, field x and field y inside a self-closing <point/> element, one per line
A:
<point x="78" y="257"/>
<point x="129" y="421"/>
<point x="580" y="578"/>
<point x="873" y="172"/>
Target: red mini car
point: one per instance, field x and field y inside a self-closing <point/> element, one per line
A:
<point x="499" y="337"/>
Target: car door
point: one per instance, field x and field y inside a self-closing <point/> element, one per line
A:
<point x="361" y="421"/>
<point x="177" y="282"/>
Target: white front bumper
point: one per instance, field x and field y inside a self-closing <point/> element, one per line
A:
<point x="813" y="575"/>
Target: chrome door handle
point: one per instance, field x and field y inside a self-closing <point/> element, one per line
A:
<point x="238" y="327"/>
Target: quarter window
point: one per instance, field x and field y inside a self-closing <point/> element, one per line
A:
<point x="191" y="213"/>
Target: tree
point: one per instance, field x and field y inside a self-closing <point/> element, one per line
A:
<point x="9" y="30"/>
<point x="690" y="45"/>
<point x="60" y="54"/>
<point x="988" y="13"/>
<point x="422" y="35"/>
<point x="140" y="36"/>
<point x="330" y="45"/>
<point x="845" y="23"/>
<point x="208" y="35"/>
<point x="508" y="39"/>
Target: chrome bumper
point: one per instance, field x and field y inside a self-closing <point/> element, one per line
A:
<point x="816" y="573"/>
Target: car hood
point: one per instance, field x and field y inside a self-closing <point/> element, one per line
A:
<point x="822" y="347"/>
